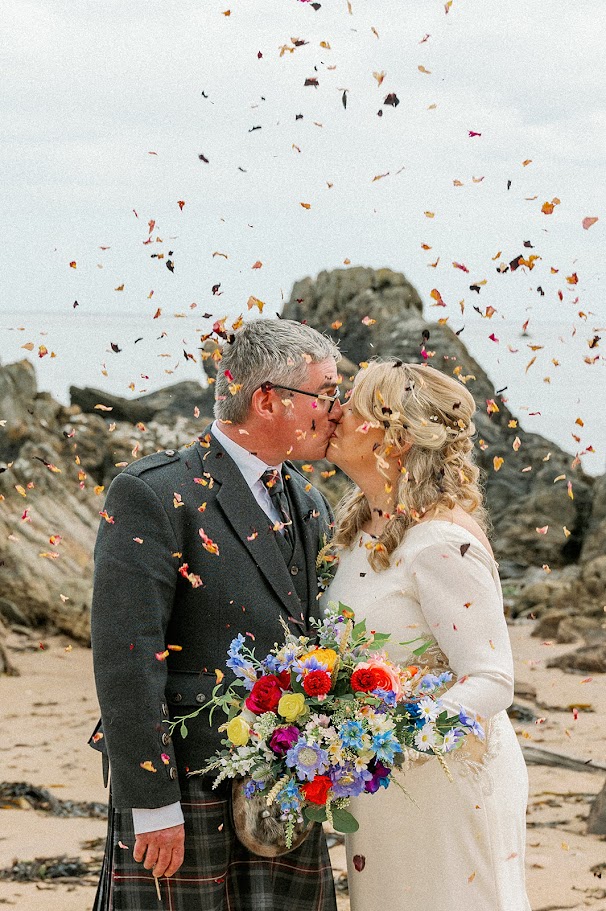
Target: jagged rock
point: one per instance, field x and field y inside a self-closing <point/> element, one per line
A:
<point x="179" y="399"/>
<point x="519" y="502"/>
<point x="589" y="630"/>
<point x="594" y="544"/>
<point x="548" y="625"/>
<point x="590" y="659"/>
<point x="6" y="665"/>
<point x="10" y="613"/>
<point x="596" y="822"/>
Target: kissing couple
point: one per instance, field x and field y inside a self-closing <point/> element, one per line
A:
<point x="222" y="537"/>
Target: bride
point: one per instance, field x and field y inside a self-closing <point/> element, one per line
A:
<point x="415" y="561"/>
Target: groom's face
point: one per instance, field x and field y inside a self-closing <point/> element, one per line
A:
<point x="307" y="423"/>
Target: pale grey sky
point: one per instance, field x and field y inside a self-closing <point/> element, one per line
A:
<point x="90" y="89"/>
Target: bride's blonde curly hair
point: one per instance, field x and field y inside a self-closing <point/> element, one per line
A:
<point x="434" y="412"/>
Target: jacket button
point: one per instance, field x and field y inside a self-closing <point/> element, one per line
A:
<point x="170" y="452"/>
<point x="164" y="708"/>
<point x="172" y="772"/>
<point x="200" y="697"/>
<point x="166" y="739"/>
<point x="177" y="697"/>
<point x="294" y="570"/>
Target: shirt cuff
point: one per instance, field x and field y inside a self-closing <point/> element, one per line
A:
<point x="150" y="820"/>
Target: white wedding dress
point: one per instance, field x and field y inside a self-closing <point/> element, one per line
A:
<point x="445" y="845"/>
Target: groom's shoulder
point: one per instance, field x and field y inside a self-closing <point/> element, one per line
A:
<point x="165" y="467"/>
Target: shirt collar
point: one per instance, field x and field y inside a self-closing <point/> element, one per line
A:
<point x="251" y="467"/>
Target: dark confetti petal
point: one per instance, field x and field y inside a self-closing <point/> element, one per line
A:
<point x="359" y="862"/>
<point x="464" y="548"/>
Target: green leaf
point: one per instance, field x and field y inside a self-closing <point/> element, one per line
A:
<point x="183" y="730"/>
<point x="359" y="629"/>
<point x="344" y="822"/>
<point x="316" y="814"/>
<point x="422" y="648"/>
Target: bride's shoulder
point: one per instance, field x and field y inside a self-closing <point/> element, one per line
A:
<point x="458" y="529"/>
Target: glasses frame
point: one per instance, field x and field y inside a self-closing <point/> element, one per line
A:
<point x="265" y="387"/>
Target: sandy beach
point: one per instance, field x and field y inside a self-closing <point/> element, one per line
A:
<point x="50" y="710"/>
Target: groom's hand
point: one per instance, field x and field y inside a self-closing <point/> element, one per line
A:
<point x="162" y="851"/>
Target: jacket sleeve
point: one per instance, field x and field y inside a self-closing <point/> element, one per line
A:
<point x="461" y="604"/>
<point x="134" y="584"/>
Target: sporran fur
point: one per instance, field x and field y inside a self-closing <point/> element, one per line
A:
<point x="259" y="827"/>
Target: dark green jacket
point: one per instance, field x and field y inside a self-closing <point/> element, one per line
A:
<point x="143" y="604"/>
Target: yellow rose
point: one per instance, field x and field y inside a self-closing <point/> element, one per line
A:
<point x="325" y="656"/>
<point x="238" y="731"/>
<point x="291" y="705"/>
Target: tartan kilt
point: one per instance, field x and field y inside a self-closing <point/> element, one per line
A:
<point x="218" y="873"/>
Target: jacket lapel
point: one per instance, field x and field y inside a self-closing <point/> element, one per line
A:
<point x="250" y="524"/>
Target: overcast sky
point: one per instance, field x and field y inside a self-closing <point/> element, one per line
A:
<point x="107" y="107"/>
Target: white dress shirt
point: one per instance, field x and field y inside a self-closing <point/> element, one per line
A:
<point x="251" y="468"/>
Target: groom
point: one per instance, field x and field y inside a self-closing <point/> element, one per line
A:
<point x="196" y="546"/>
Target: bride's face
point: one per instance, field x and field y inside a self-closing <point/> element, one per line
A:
<point x="354" y="443"/>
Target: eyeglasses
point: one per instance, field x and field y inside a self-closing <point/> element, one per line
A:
<point x="319" y="396"/>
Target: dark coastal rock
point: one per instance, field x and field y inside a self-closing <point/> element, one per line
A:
<point x="596" y="822"/>
<point x="589" y="659"/>
<point x="180" y="399"/>
<point x="519" y="501"/>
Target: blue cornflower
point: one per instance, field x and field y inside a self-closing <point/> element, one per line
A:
<point x="308" y="760"/>
<point x="241" y="667"/>
<point x="470" y="722"/>
<point x="347" y="781"/>
<point x="251" y="787"/>
<point x="385" y="746"/>
<point x="309" y="663"/>
<point x="387" y="696"/>
<point x="429" y="683"/>
<point x="289" y="797"/>
<point x="271" y="664"/>
<point x="351" y="734"/>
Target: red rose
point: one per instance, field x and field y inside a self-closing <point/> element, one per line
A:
<point x="317" y="683"/>
<point x="265" y="695"/>
<point x="316" y="791"/>
<point x="363" y="680"/>
<point x="284" y="679"/>
<point x="380" y="679"/>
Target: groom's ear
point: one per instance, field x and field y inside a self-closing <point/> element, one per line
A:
<point x="263" y="403"/>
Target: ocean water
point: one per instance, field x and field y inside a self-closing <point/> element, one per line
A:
<point x="559" y="395"/>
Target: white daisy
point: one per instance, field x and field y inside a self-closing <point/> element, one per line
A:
<point x="428" y="709"/>
<point x="425" y="739"/>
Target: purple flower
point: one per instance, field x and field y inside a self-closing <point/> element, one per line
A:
<point x="347" y="781"/>
<point x="308" y="759"/>
<point x="380" y="777"/>
<point x="282" y="739"/>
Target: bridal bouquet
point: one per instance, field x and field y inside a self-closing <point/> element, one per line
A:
<point x="319" y="720"/>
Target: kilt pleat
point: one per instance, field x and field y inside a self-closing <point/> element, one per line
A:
<point x="218" y="872"/>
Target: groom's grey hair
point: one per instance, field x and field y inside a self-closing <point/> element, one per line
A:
<point x="266" y="350"/>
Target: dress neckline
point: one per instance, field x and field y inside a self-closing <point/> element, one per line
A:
<point x="450" y="525"/>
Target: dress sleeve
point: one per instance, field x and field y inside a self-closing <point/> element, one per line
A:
<point x="463" y="609"/>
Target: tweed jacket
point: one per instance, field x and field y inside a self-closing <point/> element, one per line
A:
<point x="185" y="560"/>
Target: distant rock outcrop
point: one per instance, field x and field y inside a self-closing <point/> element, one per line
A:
<point x="378" y="312"/>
